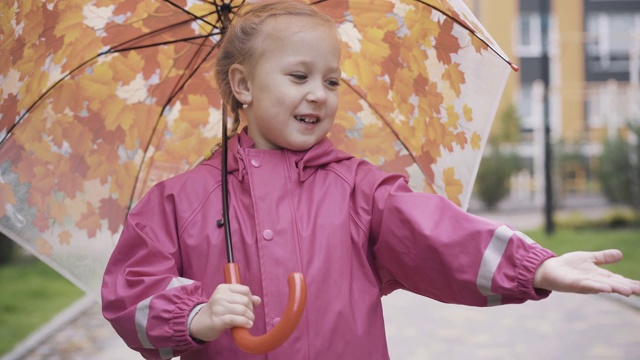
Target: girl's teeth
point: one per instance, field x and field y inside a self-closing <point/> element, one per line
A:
<point x="306" y="120"/>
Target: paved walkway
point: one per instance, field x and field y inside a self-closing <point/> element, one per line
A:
<point x="564" y="326"/>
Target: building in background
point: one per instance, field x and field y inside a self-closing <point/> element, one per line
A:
<point x="594" y="68"/>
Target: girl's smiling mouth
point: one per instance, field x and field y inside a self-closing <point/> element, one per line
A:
<point x="307" y="119"/>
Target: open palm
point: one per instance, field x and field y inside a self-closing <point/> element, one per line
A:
<point x="579" y="272"/>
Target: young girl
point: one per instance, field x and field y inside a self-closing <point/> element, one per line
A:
<point x="299" y="205"/>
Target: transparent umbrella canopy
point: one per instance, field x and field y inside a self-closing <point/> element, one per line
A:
<point x="99" y="100"/>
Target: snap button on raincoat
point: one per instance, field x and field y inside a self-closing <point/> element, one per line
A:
<point x="354" y="231"/>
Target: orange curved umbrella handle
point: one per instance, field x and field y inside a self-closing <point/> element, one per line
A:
<point x="287" y="324"/>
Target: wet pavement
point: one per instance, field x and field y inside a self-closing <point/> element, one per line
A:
<point x="564" y="326"/>
<point x="88" y="336"/>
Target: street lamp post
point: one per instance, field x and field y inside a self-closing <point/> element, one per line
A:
<point x="548" y="203"/>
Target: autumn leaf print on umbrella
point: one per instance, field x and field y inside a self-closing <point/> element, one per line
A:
<point x="99" y="100"/>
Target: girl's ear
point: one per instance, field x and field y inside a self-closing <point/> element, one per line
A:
<point x="240" y="83"/>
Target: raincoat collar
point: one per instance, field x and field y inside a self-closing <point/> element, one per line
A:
<point x="306" y="162"/>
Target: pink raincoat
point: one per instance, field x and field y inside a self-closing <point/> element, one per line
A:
<point x="355" y="232"/>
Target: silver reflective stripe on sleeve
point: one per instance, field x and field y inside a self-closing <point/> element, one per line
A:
<point x="166" y="353"/>
<point x="525" y="237"/>
<point x="142" y="317"/>
<point x="179" y="281"/>
<point x="489" y="264"/>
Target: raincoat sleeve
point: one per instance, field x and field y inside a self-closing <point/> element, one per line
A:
<point x="143" y="294"/>
<point x="425" y="244"/>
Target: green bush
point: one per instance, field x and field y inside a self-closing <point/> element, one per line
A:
<point x="492" y="181"/>
<point x="6" y="249"/>
<point x="620" y="171"/>
<point x="615" y="219"/>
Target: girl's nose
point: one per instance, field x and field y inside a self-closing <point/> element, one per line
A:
<point x="317" y="93"/>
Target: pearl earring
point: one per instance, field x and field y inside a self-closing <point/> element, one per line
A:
<point x="244" y="106"/>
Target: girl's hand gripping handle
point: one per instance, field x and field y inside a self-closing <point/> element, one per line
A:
<point x="288" y="322"/>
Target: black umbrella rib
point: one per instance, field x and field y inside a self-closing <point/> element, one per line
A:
<point x="386" y="123"/>
<point x="181" y="84"/>
<point x="118" y="49"/>
<point x="201" y="18"/>
<point x="44" y="94"/>
<point x="152" y="33"/>
<point x="224" y="11"/>
<point x="176" y="90"/>
<point x="464" y="25"/>
<point x="83" y="64"/>
<point x="155" y="32"/>
<point x="471" y="30"/>
<point x="217" y="11"/>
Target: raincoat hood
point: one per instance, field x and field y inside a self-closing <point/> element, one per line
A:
<point x="306" y="162"/>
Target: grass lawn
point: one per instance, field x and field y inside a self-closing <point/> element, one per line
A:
<point x="32" y="293"/>
<point x="626" y="240"/>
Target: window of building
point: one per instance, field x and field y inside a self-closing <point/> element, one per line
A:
<point x="529" y="35"/>
<point x="609" y="104"/>
<point x="594" y="108"/>
<point x="525" y="106"/>
<point x="608" y="39"/>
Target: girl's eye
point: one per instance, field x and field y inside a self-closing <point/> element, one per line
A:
<point x="298" y="76"/>
<point x="333" y="83"/>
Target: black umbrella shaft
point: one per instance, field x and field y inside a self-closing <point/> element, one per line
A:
<point x="225" y="188"/>
<point x="225" y="9"/>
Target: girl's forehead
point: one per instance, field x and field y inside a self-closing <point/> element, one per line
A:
<point x="281" y="30"/>
<point x="288" y="25"/>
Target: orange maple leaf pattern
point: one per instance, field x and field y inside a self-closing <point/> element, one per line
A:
<point x="64" y="238"/>
<point x="44" y="247"/>
<point x="453" y="185"/>
<point x="108" y="123"/>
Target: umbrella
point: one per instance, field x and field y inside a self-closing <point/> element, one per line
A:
<point x="101" y="99"/>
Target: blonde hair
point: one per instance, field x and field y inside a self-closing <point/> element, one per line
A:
<point x="240" y="43"/>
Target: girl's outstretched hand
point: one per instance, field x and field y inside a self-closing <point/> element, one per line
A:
<point x="230" y="305"/>
<point x="578" y="272"/>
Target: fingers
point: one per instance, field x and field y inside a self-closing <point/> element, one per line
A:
<point x="235" y="316"/>
<point x="580" y="272"/>
<point x="608" y="282"/>
<point x="606" y="256"/>
<point x="624" y="286"/>
<point x="635" y="287"/>
<point x="618" y="283"/>
<point x="230" y="305"/>
<point x="237" y="294"/>
<point x="611" y="282"/>
<point x="233" y="305"/>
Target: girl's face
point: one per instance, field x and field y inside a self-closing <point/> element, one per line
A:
<point x="292" y="84"/>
